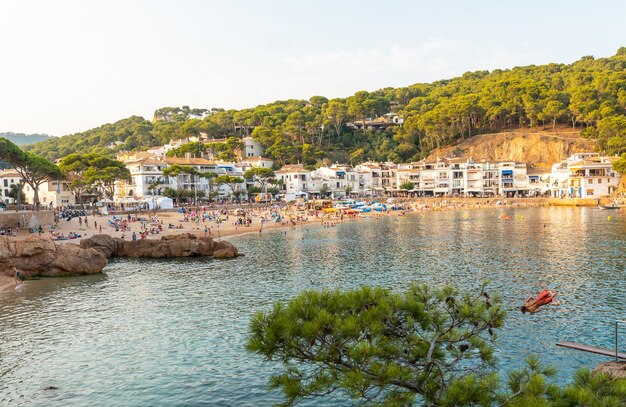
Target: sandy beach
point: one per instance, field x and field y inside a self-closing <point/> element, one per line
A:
<point x="220" y="223"/>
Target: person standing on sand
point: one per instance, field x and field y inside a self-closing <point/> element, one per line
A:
<point x="18" y="276"/>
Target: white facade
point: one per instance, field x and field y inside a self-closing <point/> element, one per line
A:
<point x="297" y="181"/>
<point x="51" y="193"/>
<point x="8" y="178"/>
<point x="339" y="180"/>
<point x="252" y="148"/>
<point x="147" y="171"/>
<point x="254" y="162"/>
<point x="380" y="177"/>
<point x="583" y="175"/>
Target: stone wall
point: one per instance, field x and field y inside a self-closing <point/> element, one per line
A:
<point x="573" y="201"/>
<point x="26" y="219"/>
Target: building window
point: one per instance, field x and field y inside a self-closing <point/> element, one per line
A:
<point x="599" y="180"/>
<point x="6" y="183"/>
<point x="590" y="181"/>
<point x="589" y="192"/>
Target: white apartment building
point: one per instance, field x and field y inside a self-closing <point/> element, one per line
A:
<point x="583" y="175"/>
<point x="252" y="162"/>
<point x="146" y="171"/>
<point x="252" y="148"/>
<point x="7" y="178"/>
<point x="297" y="181"/>
<point x="339" y="180"/>
<point x="460" y="176"/>
<point x="381" y="177"/>
<point x="52" y="193"/>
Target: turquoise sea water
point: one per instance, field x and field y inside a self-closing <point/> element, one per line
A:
<point x="172" y="333"/>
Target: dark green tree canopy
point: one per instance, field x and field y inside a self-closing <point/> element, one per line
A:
<point x="418" y="347"/>
<point x="375" y="345"/>
<point x="34" y="170"/>
<point x="589" y="95"/>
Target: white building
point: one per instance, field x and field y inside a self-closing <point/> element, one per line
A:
<point x="380" y="176"/>
<point x="52" y="193"/>
<point x="461" y="176"/>
<point x="338" y="180"/>
<point x="297" y="181"/>
<point x="252" y="148"/>
<point x="253" y="162"/>
<point x="8" y="178"/>
<point x="583" y="175"/>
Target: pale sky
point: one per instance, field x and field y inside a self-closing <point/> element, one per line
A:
<point x="68" y="66"/>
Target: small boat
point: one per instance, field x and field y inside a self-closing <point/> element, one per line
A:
<point x="608" y="206"/>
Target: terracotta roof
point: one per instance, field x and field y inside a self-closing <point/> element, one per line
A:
<point x="9" y="173"/>
<point x="152" y="161"/>
<point x="255" y="159"/>
<point x="292" y="168"/>
<point x="188" y="161"/>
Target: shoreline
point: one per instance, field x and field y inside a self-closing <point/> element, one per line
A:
<point x="296" y="219"/>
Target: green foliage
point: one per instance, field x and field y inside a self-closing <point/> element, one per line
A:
<point x="92" y="172"/>
<point x="231" y="181"/>
<point x="176" y="170"/>
<point x="620" y="164"/>
<point x="17" y="192"/>
<point x="34" y="170"/>
<point x="131" y="133"/>
<point x="261" y="175"/>
<point x="324" y="190"/>
<point x="196" y="149"/>
<point x="432" y="347"/>
<point x="182" y="195"/>
<point x="407" y="185"/>
<point x="377" y="346"/>
<point x="589" y="93"/>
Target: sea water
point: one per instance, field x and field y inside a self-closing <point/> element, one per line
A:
<point x="172" y="332"/>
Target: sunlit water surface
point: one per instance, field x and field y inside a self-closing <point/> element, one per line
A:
<point x="172" y="332"/>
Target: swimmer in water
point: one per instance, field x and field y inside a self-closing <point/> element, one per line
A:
<point x="534" y="305"/>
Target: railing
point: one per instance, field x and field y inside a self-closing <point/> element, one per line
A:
<point x="617" y="322"/>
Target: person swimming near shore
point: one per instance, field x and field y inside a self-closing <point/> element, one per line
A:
<point x="545" y="297"/>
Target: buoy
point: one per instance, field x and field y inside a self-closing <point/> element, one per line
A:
<point x="609" y="218"/>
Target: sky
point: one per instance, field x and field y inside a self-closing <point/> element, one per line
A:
<point x="68" y="66"/>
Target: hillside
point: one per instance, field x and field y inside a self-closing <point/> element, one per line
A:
<point x="588" y="95"/>
<point x="534" y="146"/>
<point x="22" y="139"/>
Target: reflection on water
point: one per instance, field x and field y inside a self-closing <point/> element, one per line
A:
<point x="172" y="332"/>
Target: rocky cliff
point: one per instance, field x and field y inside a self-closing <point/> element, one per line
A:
<point x="40" y="257"/>
<point x="183" y="245"/>
<point x="541" y="148"/>
<point x="35" y="257"/>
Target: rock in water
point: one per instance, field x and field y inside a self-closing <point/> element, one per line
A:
<point x="183" y="245"/>
<point x="616" y="370"/>
<point x="36" y="256"/>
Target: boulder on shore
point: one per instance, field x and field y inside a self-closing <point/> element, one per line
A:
<point x="183" y="245"/>
<point x="36" y="256"/>
<point x="616" y="370"/>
